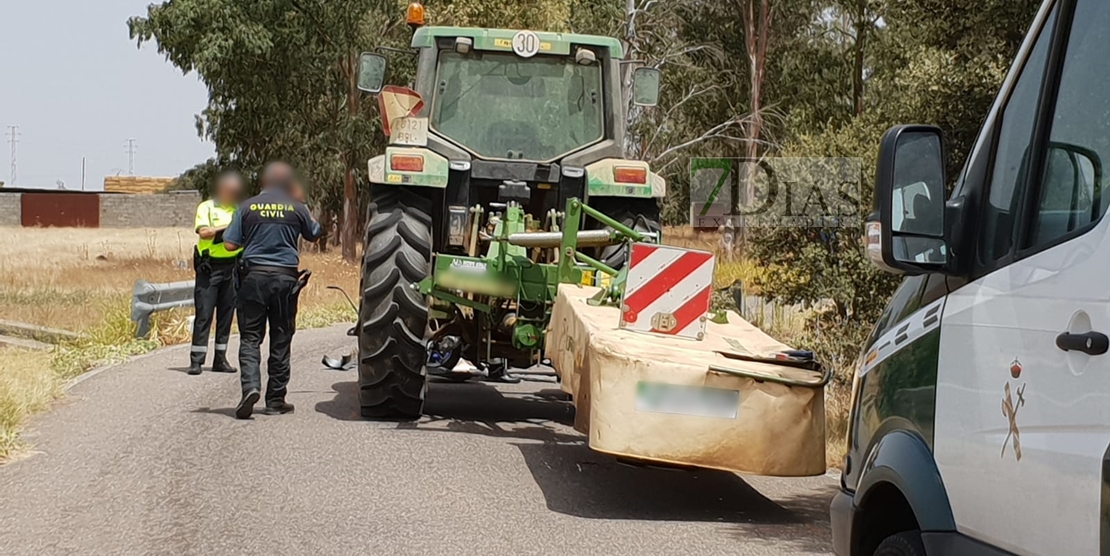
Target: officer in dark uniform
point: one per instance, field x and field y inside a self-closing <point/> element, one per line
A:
<point x="268" y="227"/>
<point x="216" y="268"/>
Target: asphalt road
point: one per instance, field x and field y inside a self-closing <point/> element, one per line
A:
<point x="144" y="459"/>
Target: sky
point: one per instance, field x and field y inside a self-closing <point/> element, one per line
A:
<point x="78" y="87"/>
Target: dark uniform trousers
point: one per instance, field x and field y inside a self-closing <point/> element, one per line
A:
<point x="266" y="298"/>
<point x="215" y="292"/>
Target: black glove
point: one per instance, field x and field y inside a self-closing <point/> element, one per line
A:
<point x="219" y="237"/>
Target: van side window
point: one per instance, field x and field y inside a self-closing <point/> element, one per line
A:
<point x="1011" y="155"/>
<point x="1072" y="195"/>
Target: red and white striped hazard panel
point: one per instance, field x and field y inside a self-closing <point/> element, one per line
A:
<point x="667" y="291"/>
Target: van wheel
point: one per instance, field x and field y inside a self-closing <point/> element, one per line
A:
<point x="907" y="543"/>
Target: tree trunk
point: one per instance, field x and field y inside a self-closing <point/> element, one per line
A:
<point x="751" y="146"/>
<point x="337" y="225"/>
<point x="861" y="42"/>
<point x="350" y="196"/>
<point x="757" y="29"/>
<point x="324" y="218"/>
<point x="631" y="110"/>
<point x="350" y="218"/>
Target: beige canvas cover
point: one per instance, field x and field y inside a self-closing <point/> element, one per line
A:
<point x="779" y="430"/>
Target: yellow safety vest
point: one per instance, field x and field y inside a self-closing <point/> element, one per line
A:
<point x="211" y="215"/>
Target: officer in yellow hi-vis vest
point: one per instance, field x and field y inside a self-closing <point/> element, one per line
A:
<point x="217" y="274"/>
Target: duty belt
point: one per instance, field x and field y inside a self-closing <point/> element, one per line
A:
<point x="269" y="269"/>
<point x="223" y="261"/>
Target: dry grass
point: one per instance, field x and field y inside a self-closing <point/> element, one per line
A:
<point x="81" y="280"/>
<point x="69" y="278"/>
<point x="838" y="404"/>
<point x="24" y="389"/>
<point x="72" y="278"/>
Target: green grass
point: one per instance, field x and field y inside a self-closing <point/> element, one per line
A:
<point x="45" y="296"/>
<point x="321" y="316"/>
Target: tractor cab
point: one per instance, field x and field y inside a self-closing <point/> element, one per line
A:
<point x="498" y="116"/>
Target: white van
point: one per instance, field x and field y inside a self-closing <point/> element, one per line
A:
<point x="981" y="409"/>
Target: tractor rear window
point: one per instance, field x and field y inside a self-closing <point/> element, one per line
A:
<point x="503" y="106"/>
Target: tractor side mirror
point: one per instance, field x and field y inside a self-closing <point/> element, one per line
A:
<point x="645" y="86"/>
<point x="371" y="72"/>
<point x="909" y="236"/>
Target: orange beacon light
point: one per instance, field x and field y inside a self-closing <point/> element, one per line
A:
<point x="414" y="16"/>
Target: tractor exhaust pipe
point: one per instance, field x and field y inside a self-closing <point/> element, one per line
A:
<point x="586" y="238"/>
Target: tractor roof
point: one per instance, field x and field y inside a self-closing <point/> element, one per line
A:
<point x="501" y="39"/>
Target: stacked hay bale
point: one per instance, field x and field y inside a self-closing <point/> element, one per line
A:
<point x="136" y="184"/>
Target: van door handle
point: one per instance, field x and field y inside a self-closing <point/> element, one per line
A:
<point x="1091" y="343"/>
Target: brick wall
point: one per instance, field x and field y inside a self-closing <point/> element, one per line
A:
<point x="164" y="210"/>
<point x="10" y="210"/>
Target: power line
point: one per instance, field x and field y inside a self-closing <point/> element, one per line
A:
<point x="13" y="138"/>
<point x="131" y="147"/>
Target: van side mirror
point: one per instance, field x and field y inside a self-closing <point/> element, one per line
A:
<point x="908" y="236"/>
<point x="645" y="86"/>
<point x="371" y="72"/>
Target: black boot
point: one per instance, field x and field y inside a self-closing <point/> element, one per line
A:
<point x="246" y="406"/>
<point x="221" y="365"/>
<point x="195" y="364"/>
<point x="278" y="407"/>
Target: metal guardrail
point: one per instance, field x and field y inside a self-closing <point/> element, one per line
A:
<point x="148" y="299"/>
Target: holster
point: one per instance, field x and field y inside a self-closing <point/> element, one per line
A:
<point x="302" y="281"/>
<point x="202" y="262"/>
<point x="288" y="306"/>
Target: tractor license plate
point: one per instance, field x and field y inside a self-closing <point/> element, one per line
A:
<point x="412" y="132"/>
<point x="697" y="401"/>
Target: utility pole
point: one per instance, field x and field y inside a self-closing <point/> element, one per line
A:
<point x="82" y="173"/>
<point x="130" y="147"/>
<point x="13" y="138"/>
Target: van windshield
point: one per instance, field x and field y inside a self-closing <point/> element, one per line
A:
<point x="499" y="105"/>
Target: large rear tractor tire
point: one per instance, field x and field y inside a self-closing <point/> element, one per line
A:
<point x="641" y="215"/>
<point x="393" y="317"/>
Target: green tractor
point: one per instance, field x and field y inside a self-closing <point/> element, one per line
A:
<point x="505" y="176"/>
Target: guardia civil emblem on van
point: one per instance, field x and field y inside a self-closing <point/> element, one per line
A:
<point x="1010" y="408"/>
